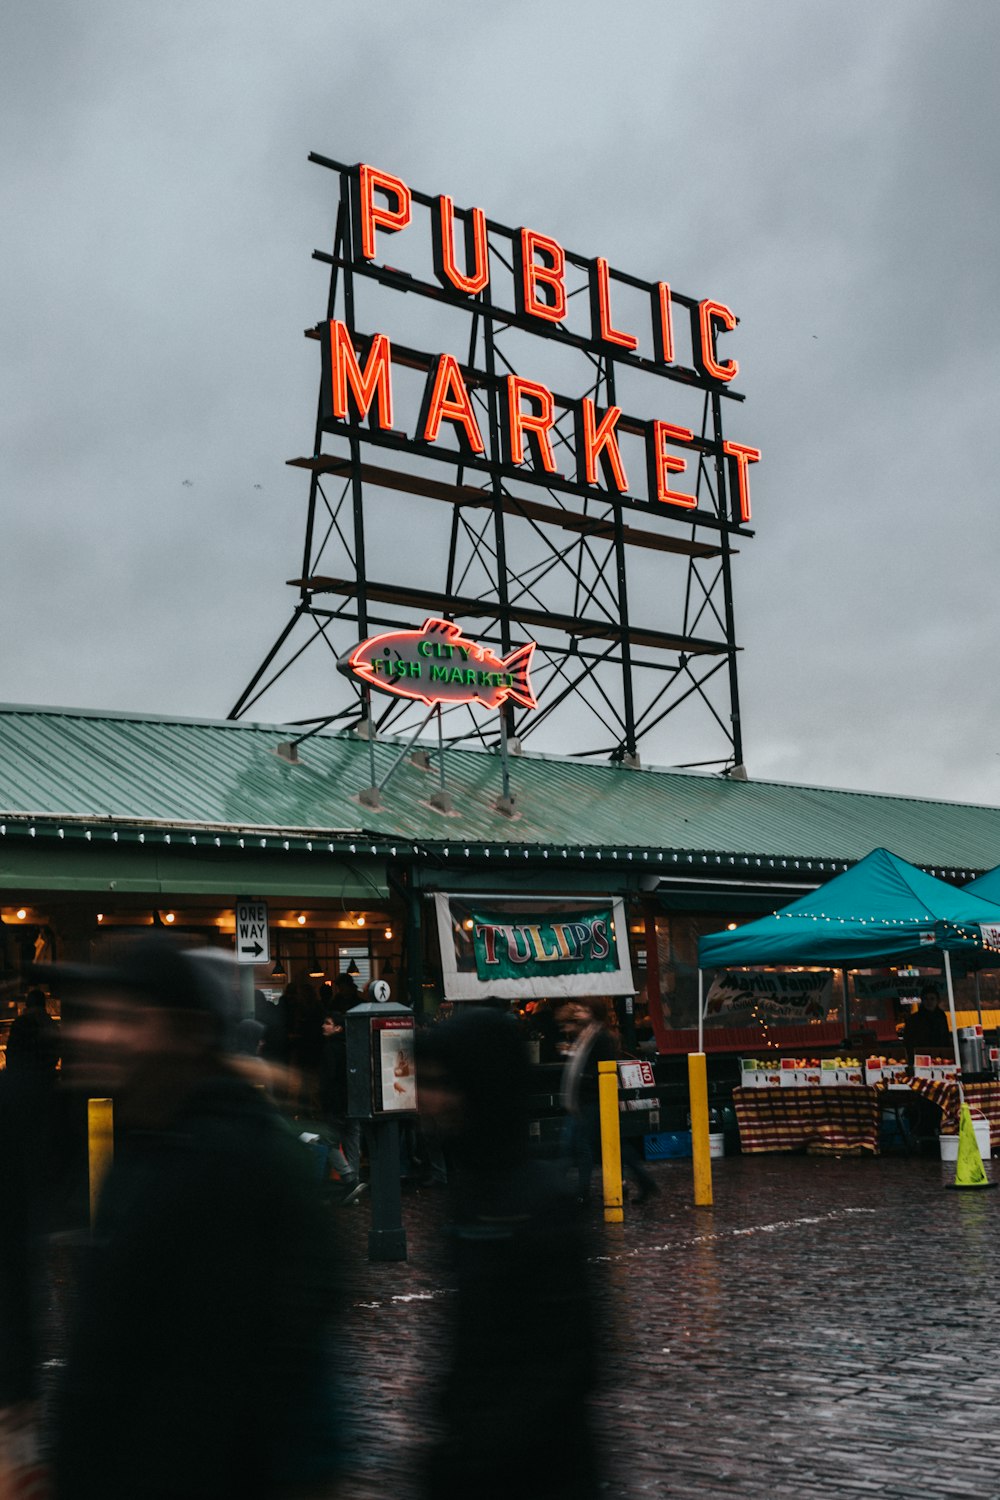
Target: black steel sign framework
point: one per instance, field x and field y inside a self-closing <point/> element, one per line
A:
<point x="537" y="548"/>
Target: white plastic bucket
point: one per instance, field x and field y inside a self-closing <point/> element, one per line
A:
<point x="716" y="1144"/>
<point x="949" y="1143"/>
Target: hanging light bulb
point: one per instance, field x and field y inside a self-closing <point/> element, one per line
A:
<point x="301" y="919"/>
<point x="360" y="919"/>
<point x="388" y="934"/>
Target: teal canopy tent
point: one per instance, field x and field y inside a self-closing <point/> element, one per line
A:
<point x="987" y="886"/>
<point x="882" y="910"/>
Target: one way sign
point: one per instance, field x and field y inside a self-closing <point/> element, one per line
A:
<point x="253" y="945"/>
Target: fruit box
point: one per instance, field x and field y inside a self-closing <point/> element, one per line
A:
<point x="753" y="1073"/>
<point x="937" y="1069"/>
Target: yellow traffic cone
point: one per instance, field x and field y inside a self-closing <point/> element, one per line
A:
<point x="969" y="1169"/>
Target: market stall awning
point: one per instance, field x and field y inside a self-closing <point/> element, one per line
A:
<point x="882" y="910"/>
<point x="986" y="887"/>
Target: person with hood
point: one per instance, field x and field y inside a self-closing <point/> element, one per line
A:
<point x="513" y="1411"/>
<point x="199" y="1364"/>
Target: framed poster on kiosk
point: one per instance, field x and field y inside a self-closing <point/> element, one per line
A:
<point x="394" y="1078"/>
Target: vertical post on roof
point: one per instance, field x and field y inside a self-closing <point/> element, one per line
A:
<point x="954" y="1026"/>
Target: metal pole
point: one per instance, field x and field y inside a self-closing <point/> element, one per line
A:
<point x="954" y="1026"/>
<point x="847" y="1005"/>
<point x="496" y="482"/>
<point x="440" y="750"/>
<point x="701" y="1011"/>
<point x="979" y="1005"/>
<point x="357" y="488"/>
<point x="504" y="762"/>
<point x="628" y="701"/>
<point x="387" y="1237"/>
<point x="725" y="520"/>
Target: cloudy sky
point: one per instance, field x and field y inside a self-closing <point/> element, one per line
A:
<point x="828" y="168"/>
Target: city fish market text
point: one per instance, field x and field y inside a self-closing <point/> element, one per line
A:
<point x="438" y="664"/>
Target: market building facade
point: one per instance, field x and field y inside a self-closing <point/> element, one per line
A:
<point x="111" y="823"/>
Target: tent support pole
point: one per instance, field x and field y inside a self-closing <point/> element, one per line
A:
<point x="847" y="1005"/>
<point x="979" y="1003"/>
<point x="954" y="1025"/>
<point x="701" y="1010"/>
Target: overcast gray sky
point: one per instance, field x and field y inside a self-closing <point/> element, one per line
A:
<point x="828" y="168"/>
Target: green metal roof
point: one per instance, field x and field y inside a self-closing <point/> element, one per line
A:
<point x="77" y="774"/>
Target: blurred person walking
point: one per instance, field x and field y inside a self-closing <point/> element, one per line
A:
<point x="346" y="1153"/>
<point x="199" y="1365"/>
<point x="512" y="1403"/>
<point x="33" y="1044"/>
<point x="583" y="1023"/>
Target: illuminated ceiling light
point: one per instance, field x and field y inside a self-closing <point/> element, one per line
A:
<point x="352" y="969"/>
<point x="169" y="917"/>
<point x="301" y="919"/>
<point x="21" y="913"/>
<point x="730" y="926"/>
<point x="388" y="934"/>
<point x="100" y="916"/>
<point x="359" y="920"/>
<point x="468" y="924"/>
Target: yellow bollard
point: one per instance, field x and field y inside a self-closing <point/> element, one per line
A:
<point x="611" y="1143"/>
<point x="101" y="1147"/>
<point x="698" y="1089"/>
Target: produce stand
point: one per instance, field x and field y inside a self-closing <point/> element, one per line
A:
<point x="845" y="1119"/>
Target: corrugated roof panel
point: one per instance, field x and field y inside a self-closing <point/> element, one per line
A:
<point x="63" y="763"/>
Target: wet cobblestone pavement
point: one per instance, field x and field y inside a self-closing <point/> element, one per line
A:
<point x="828" y="1329"/>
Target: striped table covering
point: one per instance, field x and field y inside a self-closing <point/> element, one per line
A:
<point x="826" y="1119"/>
<point x="982" y="1096"/>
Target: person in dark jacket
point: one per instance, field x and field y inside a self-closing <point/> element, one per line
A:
<point x="199" y="1365"/>
<point x="513" y="1414"/>
<point x="25" y="1120"/>
<point x="346" y="1155"/>
<point x="926" y="1027"/>
<point x="583" y="1023"/>
<point x="33" y="1043"/>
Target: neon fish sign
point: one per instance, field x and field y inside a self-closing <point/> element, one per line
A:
<point x="438" y="664"/>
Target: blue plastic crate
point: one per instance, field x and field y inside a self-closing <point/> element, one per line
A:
<point x="667" y="1145"/>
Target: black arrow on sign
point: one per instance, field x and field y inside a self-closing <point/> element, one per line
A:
<point x="256" y="950"/>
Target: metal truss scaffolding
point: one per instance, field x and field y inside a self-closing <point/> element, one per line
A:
<point x="629" y="600"/>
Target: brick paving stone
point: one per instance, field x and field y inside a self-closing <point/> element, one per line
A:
<point x="828" y="1330"/>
